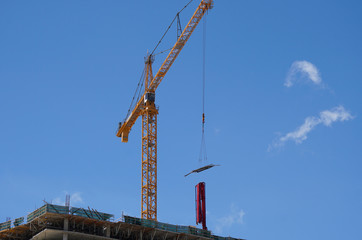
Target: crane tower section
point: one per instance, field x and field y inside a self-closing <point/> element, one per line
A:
<point x="149" y="148"/>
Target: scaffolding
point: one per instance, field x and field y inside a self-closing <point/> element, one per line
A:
<point x="167" y="227"/>
<point x="5" y="225"/>
<point x="79" y="223"/>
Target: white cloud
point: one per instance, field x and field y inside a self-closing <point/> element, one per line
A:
<point x="236" y="216"/>
<point x="303" y="69"/>
<point x="327" y="117"/>
<point x="217" y="131"/>
<point x="336" y="114"/>
<point x="300" y="134"/>
<point x="74" y="199"/>
<point x="58" y="201"/>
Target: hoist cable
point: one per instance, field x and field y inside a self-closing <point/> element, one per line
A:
<point x="203" y="65"/>
<point x="203" y="154"/>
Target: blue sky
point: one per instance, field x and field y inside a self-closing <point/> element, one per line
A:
<point x="283" y="112"/>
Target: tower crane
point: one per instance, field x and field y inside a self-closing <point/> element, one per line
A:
<point x="146" y="108"/>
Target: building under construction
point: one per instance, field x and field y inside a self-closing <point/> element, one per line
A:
<point x="53" y="222"/>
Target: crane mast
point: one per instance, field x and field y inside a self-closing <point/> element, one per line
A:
<point x="149" y="148"/>
<point x="147" y="108"/>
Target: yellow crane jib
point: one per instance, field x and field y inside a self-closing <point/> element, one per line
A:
<point x="146" y="108"/>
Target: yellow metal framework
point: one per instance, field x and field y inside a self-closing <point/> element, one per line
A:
<point x="149" y="149"/>
<point x="146" y="107"/>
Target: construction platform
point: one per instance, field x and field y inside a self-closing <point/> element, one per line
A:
<point x="53" y="222"/>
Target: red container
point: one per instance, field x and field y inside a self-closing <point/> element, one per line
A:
<point x="200" y="204"/>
